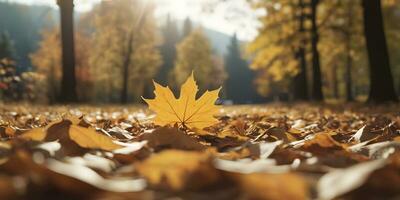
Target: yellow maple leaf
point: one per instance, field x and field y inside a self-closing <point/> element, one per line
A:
<point x="65" y="130"/>
<point x="186" y="110"/>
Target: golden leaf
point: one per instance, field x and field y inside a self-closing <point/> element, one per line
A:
<point x="88" y="138"/>
<point x="66" y="132"/>
<point x="186" y="110"/>
<point x="177" y="170"/>
<point x="279" y="186"/>
<point x="36" y="134"/>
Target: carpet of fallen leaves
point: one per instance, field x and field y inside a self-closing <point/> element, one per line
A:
<point x="275" y="151"/>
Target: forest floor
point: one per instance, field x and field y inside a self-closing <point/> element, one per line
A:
<point x="275" y="151"/>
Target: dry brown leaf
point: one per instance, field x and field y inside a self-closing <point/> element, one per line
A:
<point x="8" y="188"/>
<point x="170" y="137"/>
<point x="342" y="181"/>
<point x="69" y="178"/>
<point x="9" y="131"/>
<point x="277" y="133"/>
<point x="71" y="165"/>
<point x="322" y="143"/>
<point x="232" y="134"/>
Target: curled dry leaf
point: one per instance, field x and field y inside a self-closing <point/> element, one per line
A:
<point x="130" y="147"/>
<point x="358" y="134"/>
<point x="275" y="133"/>
<point x="321" y="143"/>
<point x="91" y="177"/>
<point x="74" y="178"/>
<point x="248" y="166"/>
<point x="185" y="111"/>
<point x="383" y="183"/>
<point x="341" y="181"/>
<point x="92" y="161"/>
<point x="171" y="137"/>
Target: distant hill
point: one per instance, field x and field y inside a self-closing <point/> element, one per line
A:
<point x="219" y="41"/>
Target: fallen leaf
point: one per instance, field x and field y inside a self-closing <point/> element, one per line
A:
<point x="248" y="166"/>
<point x="9" y="188"/>
<point x="179" y="170"/>
<point x="9" y="131"/>
<point x="171" y="137"/>
<point x="358" y="134"/>
<point x="89" y="138"/>
<point x="185" y="111"/>
<point x="91" y="177"/>
<point x="321" y="143"/>
<point x="262" y="186"/>
<point x="383" y="183"/>
<point x="130" y="147"/>
<point x="341" y="181"/>
<point x="36" y="134"/>
<point x="92" y="161"/>
<point x="67" y="133"/>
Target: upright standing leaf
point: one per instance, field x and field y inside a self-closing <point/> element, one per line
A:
<point x="186" y="110"/>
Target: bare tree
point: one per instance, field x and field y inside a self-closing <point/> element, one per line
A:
<point x="316" y="64"/>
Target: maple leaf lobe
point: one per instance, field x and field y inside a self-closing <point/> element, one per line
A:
<point x="186" y="110"/>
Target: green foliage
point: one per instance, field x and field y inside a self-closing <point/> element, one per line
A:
<point x="239" y="84"/>
<point x="171" y="38"/>
<point x="7" y="49"/>
<point x="187" y="27"/>
<point x="24" y="24"/>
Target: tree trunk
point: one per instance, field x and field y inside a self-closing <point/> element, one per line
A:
<point x="127" y="57"/>
<point x="349" y="59"/>
<point x="398" y="87"/>
<point x="52" y="86"/>
<point x="68" y="81"/>
<point x="335" y="82"/>
<point x="381" y="87"/>
<point x="125" y="71"/>
<point x="300" y="81"/>
<point x="349" y="64"/>
<point x="349" y="90"/>
<point x="317" y="82"/>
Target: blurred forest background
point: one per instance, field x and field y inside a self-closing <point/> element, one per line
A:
<point x="320" y="50"/>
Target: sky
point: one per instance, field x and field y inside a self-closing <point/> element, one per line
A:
<point x="233" y="16"/>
